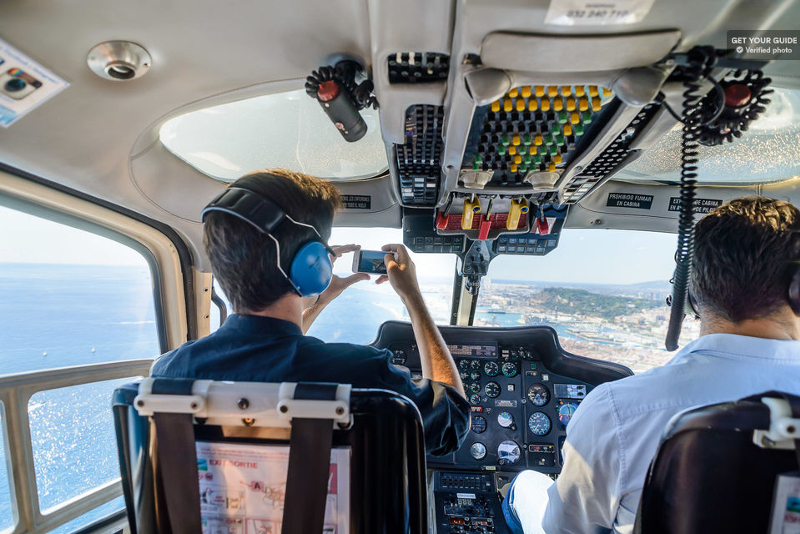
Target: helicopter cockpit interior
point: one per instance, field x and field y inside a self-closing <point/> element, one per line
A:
<point x="476" y="129"/>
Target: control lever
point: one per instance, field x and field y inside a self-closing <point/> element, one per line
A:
<point x="476" y="265"/>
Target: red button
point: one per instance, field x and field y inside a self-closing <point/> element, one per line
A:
<point x="737" y="95"/>
<point x="327" y="91"/>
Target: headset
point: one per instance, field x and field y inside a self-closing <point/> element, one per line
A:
<point x="311" y="269"/>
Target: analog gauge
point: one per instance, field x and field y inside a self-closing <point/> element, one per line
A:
<point x="475" y="387"/>
<point x="539" y="394"/>
<point x="475" y="375"/>
<point x="505" y="420"/>
<point x="565" y="412"/>
<point x="464" y="375"/>
<point x="508" y="452"/>
<point x="492" y="389"/>
<point x="475" y="364"/>
<point x="478" y="450"/>
<point x="478" y="424"/>
<point x="475" y="398"/>
<point x="539" y="423"/>
<point x="491" y="369"/>
<point x="463" y="364"/>
<point x="510" y="369"/>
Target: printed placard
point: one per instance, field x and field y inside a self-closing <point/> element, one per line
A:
<point x="701" y="205"/>
<point x="243" y="488"/>
<point x="357" y="202"/>
<point x="629" y="200"/>
<point x="596" y="13"/>
<point x="24" y="84"/>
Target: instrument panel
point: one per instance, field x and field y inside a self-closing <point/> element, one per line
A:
<point x="523" y="390"/>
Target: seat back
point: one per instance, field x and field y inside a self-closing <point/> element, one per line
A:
<point x="383" y="447"/>
<point x="710" y="476"/>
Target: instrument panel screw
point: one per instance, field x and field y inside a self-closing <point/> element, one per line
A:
<point x="193" y="406"/>
<point x="284" y="409"/>
<point x="791" y="429"/>
<point x="243" y="403"/>
<point x="140" y="403"/>
<point x="339" y="411"/>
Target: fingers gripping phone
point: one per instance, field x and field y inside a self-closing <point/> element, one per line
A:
<point x="369" y="261"/>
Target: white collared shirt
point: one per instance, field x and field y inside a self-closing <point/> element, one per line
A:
<point x="615" y="432"/>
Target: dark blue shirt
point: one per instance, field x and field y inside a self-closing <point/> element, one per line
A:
<point x="252" y="348"/>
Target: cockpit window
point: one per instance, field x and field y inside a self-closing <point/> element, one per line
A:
<point x="603" y="291"/>
<point x="769" y="151"/>
<point x="283" y="130"/>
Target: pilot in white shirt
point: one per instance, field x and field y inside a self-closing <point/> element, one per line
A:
<point x="747" y="257"/>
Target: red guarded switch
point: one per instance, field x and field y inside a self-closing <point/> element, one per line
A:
<point x="542" y="227"/>
<point x="442" y="220"/>
<point x="483" y="229"/>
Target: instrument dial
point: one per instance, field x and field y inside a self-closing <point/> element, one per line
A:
<point x="492" y="389"/>
<point x="463" y="364"/>
<point x="539" y="423"/>
<point x="478" y="424"/>
<point x="506" y="420"/>
<point x="475" y="375"/>
<point x="464" y="375"/>
<point x="478" y="450"/>
<point x="539" y="394"/>
<point x="475" y="387"/>
<point x="508" y="452"/>
<point x="475" y="399"/>
<point x="510" y="369"/>
<point x="475" y="364"/>
<point x="565" y="412"/>
<point x="491" y="369"/>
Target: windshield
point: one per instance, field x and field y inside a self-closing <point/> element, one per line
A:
<point x="603" y="291"/>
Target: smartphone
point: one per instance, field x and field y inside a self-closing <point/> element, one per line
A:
<point x="369" y="261"/>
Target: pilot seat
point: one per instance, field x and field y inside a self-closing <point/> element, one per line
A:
<point x="717" y="466"/>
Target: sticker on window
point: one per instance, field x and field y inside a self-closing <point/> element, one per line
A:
<point x="629" y="200"/>
<point x="596" y="13"/>
<point x="357" y="202"/>
<point x="701" y="205"/>
<point x="24" y="84"/>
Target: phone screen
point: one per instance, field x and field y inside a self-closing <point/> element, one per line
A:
<point x="371" y="261"/>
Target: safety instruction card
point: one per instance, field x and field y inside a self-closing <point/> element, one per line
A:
<point x="243" y="488"/>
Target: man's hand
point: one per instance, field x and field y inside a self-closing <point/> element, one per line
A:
<point x="435" y="358"/>
<point x="400" y="272"/>
<point x="314" y="306"/>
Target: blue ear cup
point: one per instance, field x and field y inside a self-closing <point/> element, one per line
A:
<point x="311" y="270"/>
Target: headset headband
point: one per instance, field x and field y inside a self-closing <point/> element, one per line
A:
<point x="262" y="214"/>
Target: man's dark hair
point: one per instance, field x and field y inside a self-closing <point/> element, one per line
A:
<point x="745" y="255"/>
<point x="244" y="259"/>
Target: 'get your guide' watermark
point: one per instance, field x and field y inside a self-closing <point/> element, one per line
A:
<point x="765" y="44"/>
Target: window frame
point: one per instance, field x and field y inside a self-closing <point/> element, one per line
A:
<point x="174" y="301"/>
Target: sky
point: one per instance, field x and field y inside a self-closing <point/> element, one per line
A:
<point x="590" y="256"/>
